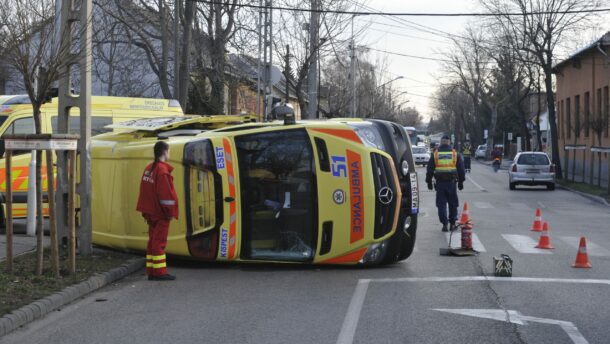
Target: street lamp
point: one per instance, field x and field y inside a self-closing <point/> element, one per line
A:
<point x="397" y="78"/>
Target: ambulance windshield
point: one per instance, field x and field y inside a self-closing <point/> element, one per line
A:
<point x="276" y="171"/>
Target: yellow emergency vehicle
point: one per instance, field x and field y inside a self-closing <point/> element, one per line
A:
<point x="317" y="192"/>
<point x="16" y="118"/>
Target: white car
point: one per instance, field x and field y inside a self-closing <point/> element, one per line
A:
<point x="532" y="168"/>
<point x="480" y="152"/>
<point x="421" y="156"/>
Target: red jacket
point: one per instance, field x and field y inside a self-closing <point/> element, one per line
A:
<point x="157" y="195"/>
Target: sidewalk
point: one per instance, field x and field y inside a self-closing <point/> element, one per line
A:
<point x="21" y="242"/>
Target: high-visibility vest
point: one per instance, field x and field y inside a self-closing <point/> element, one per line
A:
<point x="467" y="151"/>
<point x="445" y="161"/>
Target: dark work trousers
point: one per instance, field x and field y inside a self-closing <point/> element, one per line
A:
<point x="467" y="162"/>
<point x="446" y="194"/>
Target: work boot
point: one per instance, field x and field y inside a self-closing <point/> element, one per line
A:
<point x="453" y="227"/>
<point x="166" y="277"/>
<point x="445" y="228"/>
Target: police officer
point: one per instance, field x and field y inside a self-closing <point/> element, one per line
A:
<point x="447" y="168"/>
<point x="467" y="153"/>
<point x="158" y="204"/>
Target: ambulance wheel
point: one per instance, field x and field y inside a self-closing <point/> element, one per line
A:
<point x="401" y="244"/>
<point x="408" y="243"/>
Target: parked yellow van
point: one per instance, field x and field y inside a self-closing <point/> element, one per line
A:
<point x="16" y="118"/>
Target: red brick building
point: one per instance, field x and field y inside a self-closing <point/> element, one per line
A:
<point x="583" y="111"/>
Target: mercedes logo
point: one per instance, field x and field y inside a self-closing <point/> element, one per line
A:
<point x="386" y="195"/>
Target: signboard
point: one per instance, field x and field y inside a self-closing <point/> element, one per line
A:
<point x="510" y="136"/>
<point x="600" y="149"/>
<point x="55" y="144"/>
<point x="485" y="133"/>
<point x="575" y="147"/>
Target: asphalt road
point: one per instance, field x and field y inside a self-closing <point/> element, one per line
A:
<point x="426" y="299"/>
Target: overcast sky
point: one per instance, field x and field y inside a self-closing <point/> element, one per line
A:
<point x="398" y="35"/>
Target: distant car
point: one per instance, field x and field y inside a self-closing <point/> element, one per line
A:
<point x="421" y="156"/>
<point x="532" y="168"/>
<point x="480" y="152"/>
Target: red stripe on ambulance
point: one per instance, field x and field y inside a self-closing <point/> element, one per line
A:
<point x="356" y="196"/>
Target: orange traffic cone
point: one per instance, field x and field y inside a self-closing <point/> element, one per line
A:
<point x="465" y="216"/>
<point x="537" y="226"/>
<point x="582" y="258"/>
<point x="545" y="240"/>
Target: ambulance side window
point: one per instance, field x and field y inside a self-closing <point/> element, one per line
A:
<point x="98" y="124"/>
<point x="20" y="126"/>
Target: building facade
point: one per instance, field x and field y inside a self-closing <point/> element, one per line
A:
<point x="583" y="111"/>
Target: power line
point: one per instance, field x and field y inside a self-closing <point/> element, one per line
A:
<point x="410" y="56"/>
<point x="406" y="14"/>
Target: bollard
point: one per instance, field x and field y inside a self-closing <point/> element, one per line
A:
<point x="467" y="236"/>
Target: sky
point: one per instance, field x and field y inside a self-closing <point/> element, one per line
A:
<point x="422" y="77"/>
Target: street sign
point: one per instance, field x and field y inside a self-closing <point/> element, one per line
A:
<point x="600" y="149"/>
<point x="574" y="147"/>
<point x="510" y="136"/>
<point x="467" y="136"/>
<point x="485" y="134"/>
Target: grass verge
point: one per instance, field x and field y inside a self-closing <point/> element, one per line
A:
<point x="24" y="287"/>
<point x="586" y="188"/>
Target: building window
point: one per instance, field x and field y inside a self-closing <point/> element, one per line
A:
<point x="606" y="111"/>
<point x="562" y="120"/>
<point x="568" y="119"/>
<point x="577" y="124"/>
<point x="587" y="113"/>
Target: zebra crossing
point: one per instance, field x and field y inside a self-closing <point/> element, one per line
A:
<point x="526" y="244"/>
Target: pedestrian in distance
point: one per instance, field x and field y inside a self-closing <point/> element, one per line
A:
<point x="447" y="168"/>
<point x="158" y="204"/>
<point x="467" y="153"/>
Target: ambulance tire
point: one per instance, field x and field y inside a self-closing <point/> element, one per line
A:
<point x="401" y="244"/>
<point x="408" y="242"/>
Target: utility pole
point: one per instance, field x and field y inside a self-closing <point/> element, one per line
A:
<point x="353" y="69"/>
<point x="267" y="57"/>
<point x="287" y="73"/>
<point x="82" y="102"/>
<point x="314" y="45"/>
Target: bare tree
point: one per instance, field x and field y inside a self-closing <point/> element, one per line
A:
<point x="33" y="50"/>
<point x="292" y="29"/>
<point x="543" y="24"/>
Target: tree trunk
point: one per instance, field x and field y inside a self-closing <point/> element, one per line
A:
<point x="185" y="64"/>
<point x="550" y="99"/>
<point x="217" y="77"/>
<point x="39" y="213"/>
<point x="163" y="79"/>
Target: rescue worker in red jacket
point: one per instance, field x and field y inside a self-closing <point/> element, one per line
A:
<point x="158" y="204"/>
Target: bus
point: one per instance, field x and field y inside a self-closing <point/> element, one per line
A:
<point x="413" y="137"/>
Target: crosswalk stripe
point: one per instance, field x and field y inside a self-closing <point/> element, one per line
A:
<point x="456" y="241"/>
<point x="592" y="248"/>
<point x="524" y="244"/>
<point x="483" y="205"/>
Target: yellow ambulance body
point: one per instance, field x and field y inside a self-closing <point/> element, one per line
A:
<point x="316" y="192"/>
<point x="16" y="118"/>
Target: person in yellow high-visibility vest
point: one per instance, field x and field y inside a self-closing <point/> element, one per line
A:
<point x="447" y="168"/>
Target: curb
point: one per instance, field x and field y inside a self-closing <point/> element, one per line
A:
<point x="593" y="198"/>
<point x="44" y="306"/>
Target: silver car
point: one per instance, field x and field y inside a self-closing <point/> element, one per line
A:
<point x="420" y="155"/>
<point x="480" y="152"/>
<point x="532" y="168"/>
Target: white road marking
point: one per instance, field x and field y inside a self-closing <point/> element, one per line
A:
<point x="456" y="241"/>
<point x="541" y="205"/>
<point x="346" y="336"/>
<point x="519" y="206"/>
<point x="514" y="317"/>
<point x="348" y="329"/>
<point x="475" y="183"/>
<point x="592" y="248"/>
<point x="483" y="205"/>
<point x="524" y="244"/>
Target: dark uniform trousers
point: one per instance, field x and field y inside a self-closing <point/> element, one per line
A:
<point x="446" y="194"/>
